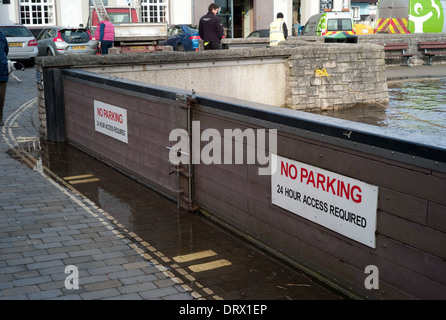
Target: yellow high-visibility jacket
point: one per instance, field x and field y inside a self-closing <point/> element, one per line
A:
<point x="276" y="32"/>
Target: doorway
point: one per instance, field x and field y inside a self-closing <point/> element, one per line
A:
<point x="297" y="17"/>
<point x="243" y="21"/>
<point x="237" y="17"/>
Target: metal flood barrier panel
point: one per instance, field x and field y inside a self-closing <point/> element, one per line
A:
<point x="353" y="205"/>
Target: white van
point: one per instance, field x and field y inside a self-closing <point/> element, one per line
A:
<point x="330" y="22"/>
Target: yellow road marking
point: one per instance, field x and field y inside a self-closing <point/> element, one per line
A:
<point x="83" y="181"/>
<point x="78" y="177"/>
<point x="210" y="265"/>
<point x="194" y="256"/>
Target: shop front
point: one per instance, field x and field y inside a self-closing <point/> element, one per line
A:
<point x="237" y="17"/>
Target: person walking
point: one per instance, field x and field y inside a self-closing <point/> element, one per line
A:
<point x="4" y="73"/>
<point x="105" y="32"/>
<point x="211" y="29"/>
<point x="278" y="30"/>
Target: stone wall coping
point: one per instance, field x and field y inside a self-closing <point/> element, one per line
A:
<point x="292" y="47"/>
<point x="162" y="57"/>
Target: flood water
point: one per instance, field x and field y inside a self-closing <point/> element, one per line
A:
<point x="413" y="106"/>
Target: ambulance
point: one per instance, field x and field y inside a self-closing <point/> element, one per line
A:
<point x="328" y="23"/>
<point x="411" y="16"/>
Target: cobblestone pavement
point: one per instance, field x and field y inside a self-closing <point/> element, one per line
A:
<point x="45" y="230"/>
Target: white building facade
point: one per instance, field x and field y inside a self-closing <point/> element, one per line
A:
<point x="239" y="17"/>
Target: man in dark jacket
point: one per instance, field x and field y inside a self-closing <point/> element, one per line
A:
<point x="211" y="29"/>
<point x="4" y="73"/>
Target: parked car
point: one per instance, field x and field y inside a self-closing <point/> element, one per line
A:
<point x="328" y="23"/>
<point x="21" y="42"/>
<point x="53" y="41"/>
<point x="35" y="31"/>
<point x="182" y="37"/>
<point x="262" y="33"/>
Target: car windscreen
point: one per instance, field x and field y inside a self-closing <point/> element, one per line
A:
<point x="339" y="25"/>
<point x="75" y="35"/>
<point x="10" y="32"/>
<point x="119" y="17"/>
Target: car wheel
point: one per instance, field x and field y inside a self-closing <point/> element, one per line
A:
<point x="180" y="47"/>
<point x="49" y="52"/>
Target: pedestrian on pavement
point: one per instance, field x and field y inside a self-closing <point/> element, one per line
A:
<point x="105" y="32"/>
<point x="211" y="29"/>
<point x="278" y="30"/>
<point x="296" y="28"/>
<point x="4" y="73"/>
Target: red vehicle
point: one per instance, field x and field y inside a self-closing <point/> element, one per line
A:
<point x="131" y="35"/>
<point x="117" y="16"/>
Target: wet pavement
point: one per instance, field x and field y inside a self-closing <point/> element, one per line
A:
<point x="73" y="228"/>
<point x="399" y="73"/>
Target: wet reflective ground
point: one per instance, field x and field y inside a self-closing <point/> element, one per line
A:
<point x="231" y="268"/>
<point x="424" y="100"/>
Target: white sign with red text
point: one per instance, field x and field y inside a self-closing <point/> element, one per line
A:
<point x="337" y="202"/>
<point x="111" y="121"/>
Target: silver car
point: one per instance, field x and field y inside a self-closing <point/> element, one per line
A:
<point x="21" y="42"/>
<point x="53" y="41"/>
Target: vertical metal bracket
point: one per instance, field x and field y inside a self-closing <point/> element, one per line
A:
<point x="185" y="174"/>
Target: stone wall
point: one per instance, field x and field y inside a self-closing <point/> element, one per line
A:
<point x="356" y="75"/>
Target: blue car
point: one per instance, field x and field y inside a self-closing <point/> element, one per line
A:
<point x="183" y="37"/>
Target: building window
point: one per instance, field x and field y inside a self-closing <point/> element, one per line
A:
<point x="154" y="10"/>
<point x="37" y="12"/>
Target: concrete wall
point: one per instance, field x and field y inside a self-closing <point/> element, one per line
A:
<point x="410" y="176"/>
<point x="280" y="76"/>
<point x="260" y="79"/>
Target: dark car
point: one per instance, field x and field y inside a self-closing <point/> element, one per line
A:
<point x="261" y="33"/>
<point x="183" y="37"/>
